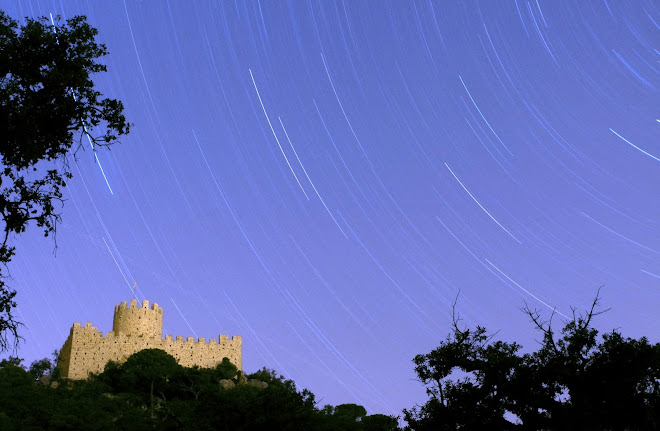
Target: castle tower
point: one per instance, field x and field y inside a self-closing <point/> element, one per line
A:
<point x="135" y="328"/>
<point x="138" y="322"/>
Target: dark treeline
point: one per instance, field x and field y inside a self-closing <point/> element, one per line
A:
<point x="576" y="380"/>
<point x="151" y="391"/>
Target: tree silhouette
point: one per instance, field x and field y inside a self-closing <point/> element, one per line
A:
<point x="573" y="382"/>
<point x="147" y="371"/>
<point x="49" y="107"/>
<point x="183" y="398"/>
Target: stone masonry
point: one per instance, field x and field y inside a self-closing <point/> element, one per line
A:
<point x="134" y="329"/>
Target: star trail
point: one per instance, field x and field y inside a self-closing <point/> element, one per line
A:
<point x="326" y="178"/>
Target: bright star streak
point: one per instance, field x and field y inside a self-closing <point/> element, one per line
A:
<point x="525" y="290"/>
<point x="635" y="146"/>
<point x="482" y="116"/>
<point x="310" y="180"/>
<point x="91" y="144"/>
<point x="481" y="206"/>
<point x="275" y="135"/>
<point x="650" y="273"/>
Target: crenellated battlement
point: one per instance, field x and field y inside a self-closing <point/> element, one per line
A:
<point x="202" y="340"/>
<point x="137" y="321"/>
<point x="134" y="304"/>
<point x="87" y="329"/>
<point x="222" y="339"/>
<point x="134" y="329"/>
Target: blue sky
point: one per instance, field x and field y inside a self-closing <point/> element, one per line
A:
<point x="323" y="178"/>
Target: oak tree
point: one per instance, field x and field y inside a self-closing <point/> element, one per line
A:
<point x="49" y="110"/>
<point x="576" y="380"/>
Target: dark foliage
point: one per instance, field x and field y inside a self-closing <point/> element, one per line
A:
<point x="151" y="391"/>
<point x="48" y="107"/>
<point x="573" y="382"/>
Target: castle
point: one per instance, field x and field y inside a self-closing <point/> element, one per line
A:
<point x="135" y="328"/>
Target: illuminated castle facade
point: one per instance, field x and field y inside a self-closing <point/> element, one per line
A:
<point x="135" y="328"/>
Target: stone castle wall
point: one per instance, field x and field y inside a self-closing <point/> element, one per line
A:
<point x="88" y="350"/>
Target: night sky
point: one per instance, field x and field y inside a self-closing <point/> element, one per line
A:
<point x="324" y="177"/>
